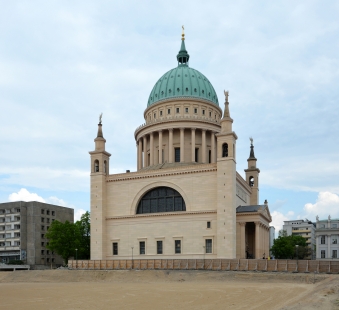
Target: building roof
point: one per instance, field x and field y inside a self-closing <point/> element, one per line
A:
<point x="183" y="82"/>
<point x="250" y="208"/>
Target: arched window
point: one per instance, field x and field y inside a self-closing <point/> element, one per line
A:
<point x="251" y="181"/>
<point x="225" y="150"/>
<point x="96" y="166"/>
<point x="161" y="199"/>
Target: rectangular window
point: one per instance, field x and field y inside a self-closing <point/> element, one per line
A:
<point x="42" y="252"/>
<point x="47" y="221"/>
<point x="196" y="155"/>
<point x="154" y="115"/>
<point x="334" y="240"/>
<point x="208" y="224"/>
<point x="115" y="248"/>
<point x="42" y="243"/>
<point x="159" y="247"/>
<point x="47" y="212"/>
<point x="168" y="111"/>
<point x="48" y="252"/>
<point x="160" y="113"/>
<point x="334" y="253"/>
<point x="42" y="211"/>
<point x="42" y="236"/>
<point x="47" y="259"/>
<point x="195" y="110"/>
<point x="142" y="248"/>
<point x="323" y="253"/>
<point x="334" y="225"/>
<point x="53" y="213"/>
<point x="17" y="210"/>
<point x="203" y="112"/>
<point x="322" y="240"/>
<point x="209" y="156"/>
<point x="178" y="110"/>
<point x="42" y="220"/>
<point x="208" y="244"/>
<point x="177" y="154"/>
<point x="42" y="227"/>
<point x="186" y="110"/>
<point x="177" y="244"/>
<point x="210" y="114"/>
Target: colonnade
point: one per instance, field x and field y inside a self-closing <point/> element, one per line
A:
<point x="143" y="152"/>
<point x="261" y="246"/>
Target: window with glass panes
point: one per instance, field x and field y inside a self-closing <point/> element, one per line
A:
<point x="177" y="244"/>
<point x="159" y="247"/>
<point x="142" y="247"/>
<point x="208" y="245"/>
<point x="115" y="248"/>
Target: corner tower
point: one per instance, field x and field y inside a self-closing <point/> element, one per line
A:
<point x="99" y="171"/>
<point x="252" y="176"/>
<point x="226" y="186"/>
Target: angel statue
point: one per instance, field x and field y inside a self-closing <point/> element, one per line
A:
<point x="317" y="218"/>
<point x="226" y="95"/>
<point x="100" y="118"/>
<point x="251" y="139"/>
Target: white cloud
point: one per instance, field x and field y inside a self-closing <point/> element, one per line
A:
<point x="327" y="204"/>
<point x="24" y="195"/>
<point x="278" y="219"/>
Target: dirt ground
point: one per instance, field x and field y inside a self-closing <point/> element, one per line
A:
<point x="162" y="289"/>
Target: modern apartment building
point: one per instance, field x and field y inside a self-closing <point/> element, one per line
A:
<point x="23" y="226"/>
<point x="327" y="235"/>
<point x="304" y="228"/>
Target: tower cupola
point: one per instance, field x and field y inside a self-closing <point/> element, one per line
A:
<point x="183" y="56"/>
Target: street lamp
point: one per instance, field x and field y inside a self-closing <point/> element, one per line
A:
<point x="76" y="258"/>
<point x="132" y="258"/>
<point x="296" y="249"/>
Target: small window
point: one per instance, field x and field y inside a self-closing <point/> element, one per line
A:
<point x="42" y="243"/>
<point x="52" y="260"/>
<point x="96" y="166"/>
<point x="42" y="220"/>
<point x="225" y="150"/>
<point x="195" y="110"/>
<point x="186" y="110"/>
<point x="203" y="112"/>
<point x="177" y="154"/>
<point x="169" y="111"/>
<point x="177" y="110"/>
<point x="42" y="227"/>
<point x="42" y="235"/>
<point x="322" y="240"/>
<point x="251" y="181"/>
<point x="159" y="247"/>
<point x="334" y="241"/>
<point x="323" y="253"/>
<point x="142" y="248"/>
<point x="196" y="154"/>
<point x="47" y="212"/>
<point x="334" y="254"/>
<point x="17" y="210"/>
<point x="47" y="220"/>
<point x="47" y="259"/>
<point x="208" y="244"/>
<point x="208" y="224"/>
<point x="154" y="115"/>
<point x="210" y="114"/>
<point x="42" y="252"/>
<point x="160" y="113"/>
<point x="115" y="248"/>
<point x="47" y="252"/>
<point x="47" y="227"/>
<point x="334" y="226"/>
<point x="53" y="213"/>
<point x="42" y="211"/>
<point x="177" y="246"/>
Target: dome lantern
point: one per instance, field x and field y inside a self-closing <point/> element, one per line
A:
<point x="183" y="56"/>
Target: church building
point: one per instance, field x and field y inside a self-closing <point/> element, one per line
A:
<point x="186" y="199"/>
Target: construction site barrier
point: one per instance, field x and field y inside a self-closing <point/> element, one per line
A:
<point x="275" y="265"/>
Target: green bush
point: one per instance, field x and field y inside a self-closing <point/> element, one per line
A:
<point x="15" y="262"/>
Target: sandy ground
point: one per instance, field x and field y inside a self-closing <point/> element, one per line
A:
<point x="68" y="289"/>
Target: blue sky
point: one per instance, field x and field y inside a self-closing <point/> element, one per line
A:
<point x="62" y="63"/>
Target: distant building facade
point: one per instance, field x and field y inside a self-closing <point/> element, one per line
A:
<point x="327" y="235"/>
<point x="23" y="226"/>
<point x="272" y="237"/>
<point x="303" y="228"/>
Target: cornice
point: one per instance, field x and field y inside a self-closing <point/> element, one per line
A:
<point x="178" y="213"/>
<point x="162" y="172"/>
<point x="176" y="119"/>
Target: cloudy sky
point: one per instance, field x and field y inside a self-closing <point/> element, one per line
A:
<point x="62" y="63"/>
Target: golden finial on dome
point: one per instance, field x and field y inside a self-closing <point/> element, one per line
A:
<point x="183" y="33"/>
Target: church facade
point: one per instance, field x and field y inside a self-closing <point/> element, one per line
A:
<point x="186" y="199"/>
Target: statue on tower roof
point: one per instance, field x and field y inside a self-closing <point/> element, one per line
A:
<point x="100" y="118"/>
<point x="226" y="110"/>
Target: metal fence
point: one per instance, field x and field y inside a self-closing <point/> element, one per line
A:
<point x="277" y="265"/>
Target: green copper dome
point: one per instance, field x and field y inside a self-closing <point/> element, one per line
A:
<point x="183" y="82"/>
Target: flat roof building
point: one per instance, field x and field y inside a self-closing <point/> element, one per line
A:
<point x="23" y="226"/>
<point x="327" y="235"/>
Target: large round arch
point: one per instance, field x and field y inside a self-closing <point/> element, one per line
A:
<point x="153" y="185"/>
<point x="161" y="199"/>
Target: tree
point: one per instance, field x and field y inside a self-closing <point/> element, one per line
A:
<point x="62" y="239"/>
<point x="65" y="238"/>
<point x="284" y="247"/>
<point x="84" y="236"/>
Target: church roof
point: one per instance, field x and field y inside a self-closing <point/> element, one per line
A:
<point x="183" y="82"/>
